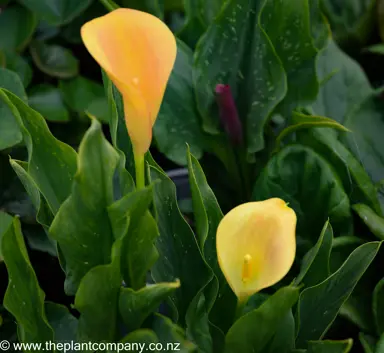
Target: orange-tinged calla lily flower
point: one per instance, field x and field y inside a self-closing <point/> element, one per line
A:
<point x="138" y="51"/>
<point x="256" y="245"/>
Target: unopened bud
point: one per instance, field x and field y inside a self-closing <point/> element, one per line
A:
<point x="228" y="114"/>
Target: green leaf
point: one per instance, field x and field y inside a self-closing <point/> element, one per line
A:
<point x="179" y="254"/>
<point x="82" y="227"/>
<point x="11" y="81"/>
<point x="284" y="339"/>
<point x="319" y="24"/>
<point x="242" y="336"/>
<point x="378" y="306"/>
<point x="287" y="24"/>
<point x="380" y="345"/>
<point x="24" y="299"/>
<point x="236" y="51"/>
<point x="136" y="306"/>
<point x="57" y="12"/>
<point x="302" y="121"/>
<point x="64" y="324"/>
<point x="355" y="179"/>
<point x="171" y="336"/>
<point x="54" y="60"/>
<point x="18" y="64"/>
<point x="79" y="92"/>
<point x="207" y="217"/>
<point x="44" y="215"/>
<point x="117" y="125"/>
<point x="372" y="220"/>
<point x="137" y="341"/>
<point x="194" y="24"/>
<point x="315" y="264"/>
<point x="130" y="219"/>
<point x="327" y="346"/>
<point x="10" y="134"/>
<point x="366" y="121"/>
<point x="300" y="176"/>
<point x="339" y="73"/>
<point x="352" y="22"/>
<point x="178" y="122"/>
<point x="368" y="342"/>
<point x="51" y="163"/>
<point x="47" y="100"/>
<point x="155" y="7"/>
<point x="97" y="300"/>
<point x="376" y="49"/>
<point x="5" y="223"/>
<point x="17" y="25"/>
<point x="319" y="305"/>
<point x="99" y="109"/>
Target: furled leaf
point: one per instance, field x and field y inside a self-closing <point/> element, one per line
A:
<point x="300" y="176"/>
<point x="57" y="12"/>
<point x="179" y="254"/>
<point x="236" y="51"/>
<point x="47" y="100"/>
<point x="136" y="306"/>
<point x="287" y="24"/>
<point x="378" y="306"/>
<point x="97" y="300"/>
<point x="207" y="217"/>
<point x="24" y="299"/>
<point x="315" y="264"/>
<point x="17" y="25"/>
<point x="318" y="306"/>
<point x="118" y="128"/>
<point x="51" y="163"/>
<point x="82" y="227"/>
<point x="355" y="179"/>
<point x="242" y="336"/>
<point x="178" y="122"/>
<point x="54" y="60"/>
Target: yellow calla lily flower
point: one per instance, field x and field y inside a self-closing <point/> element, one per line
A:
<point x="137" y="51"/>
<point x="256" y="245"/>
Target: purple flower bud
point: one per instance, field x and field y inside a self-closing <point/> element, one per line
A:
<point x="228" y="114"/>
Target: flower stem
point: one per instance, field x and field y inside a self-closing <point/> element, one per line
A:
<point x="109" y="5"/>
<point x="241" y="302"/>
<point x="139" y="168"/>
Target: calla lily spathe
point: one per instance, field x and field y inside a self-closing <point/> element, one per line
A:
<point x="137" y="51"/>
<point x="256" y="245"/>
